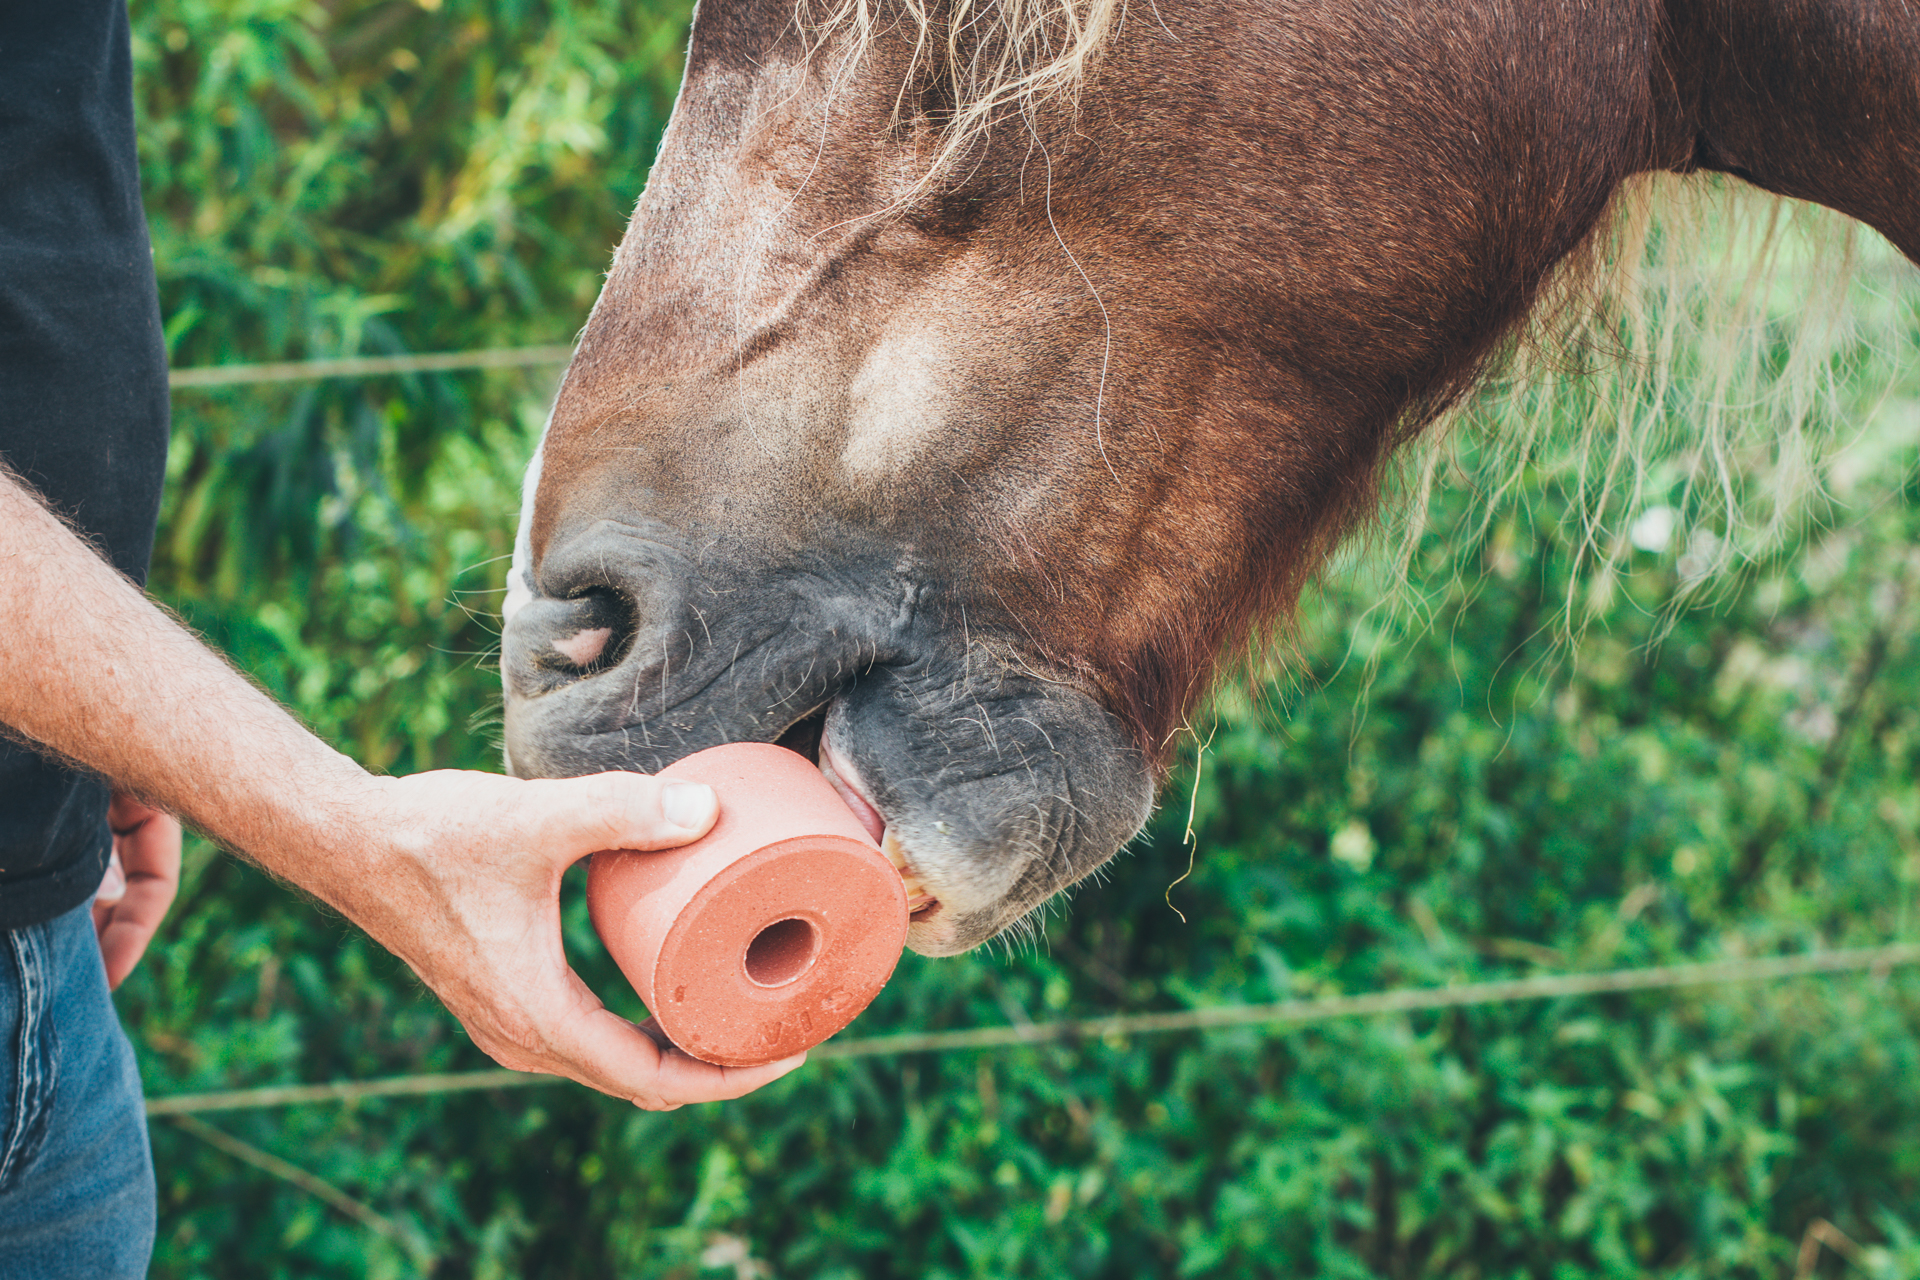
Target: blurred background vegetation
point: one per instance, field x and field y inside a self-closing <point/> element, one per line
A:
<point x="1438" y="792"/>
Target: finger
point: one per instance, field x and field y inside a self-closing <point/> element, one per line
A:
<point x="151" y="849"/>
<point x="684" y="1078"/>
<point x="113" y="882"/>
<point x="127" y="926"/>
<point x="147" y="853"/>
<point x="150" y="859"/>
<point x="145" y="905"/>
<point x="599" y="1048"/>
<point x="671" y="1056"/>
<point x="131" y="923"/>
<point x="569" y="818"/>
<point x="126" y="811"/>
<point x="113" y="887"/>
<point x="607" y="1047"/>
<point x="122" y="943"/>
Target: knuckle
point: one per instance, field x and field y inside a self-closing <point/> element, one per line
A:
<point x="519" y="1047"/>
<point x="601" y="807"/>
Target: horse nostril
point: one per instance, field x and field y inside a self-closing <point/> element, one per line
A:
<point x="554" y="641"/>
<point x="583" y="648"/>
<point x="591" y="631"/>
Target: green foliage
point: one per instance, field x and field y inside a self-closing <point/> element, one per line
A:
<point x="367" y="178"/>
<point x="1446" y="797"/>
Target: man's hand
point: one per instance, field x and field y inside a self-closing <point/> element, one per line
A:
<point x="142" y="877"/>
<point x="468" y="894"/>
<point x="457" y="873"/>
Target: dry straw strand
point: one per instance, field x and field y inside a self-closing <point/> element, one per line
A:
<point x="990" y="57"/>
<point x="1694" y="359"/>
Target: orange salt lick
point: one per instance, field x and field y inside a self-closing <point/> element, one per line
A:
<point x="768" y="934"/>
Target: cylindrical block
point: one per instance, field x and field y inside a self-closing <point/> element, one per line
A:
<point x="768" y="934"/>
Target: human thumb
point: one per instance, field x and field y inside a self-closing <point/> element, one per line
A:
<point x="620" y="810"/>
<point x="690" y="806"/>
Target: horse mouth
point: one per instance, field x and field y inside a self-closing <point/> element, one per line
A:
<point x="982" y="821"/>
<point x="922" y="905"/>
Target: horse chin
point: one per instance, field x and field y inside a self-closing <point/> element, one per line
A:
<point x="984" y="827"/>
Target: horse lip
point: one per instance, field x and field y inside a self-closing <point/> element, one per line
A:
<point x="846" y="782"/>
<point x="922" y="906"/>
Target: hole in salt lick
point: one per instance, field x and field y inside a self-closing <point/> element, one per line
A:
<point x="782" y="952"/>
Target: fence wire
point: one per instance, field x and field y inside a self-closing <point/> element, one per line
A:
<point x="1114" y="1031"/>
<point x="227" y="375"/>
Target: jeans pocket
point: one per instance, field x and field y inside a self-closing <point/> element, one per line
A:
<point x="30" y="1051"/>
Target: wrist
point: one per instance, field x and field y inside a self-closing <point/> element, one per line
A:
<point x="324" y="830"/>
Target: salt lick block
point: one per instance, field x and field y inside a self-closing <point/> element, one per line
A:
<point x="769" y="933"/>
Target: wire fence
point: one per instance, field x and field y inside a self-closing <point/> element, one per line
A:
<point x="228" y="375"/>
<point x="1113" y="1031"/>
<point x="1117" y="1029"/>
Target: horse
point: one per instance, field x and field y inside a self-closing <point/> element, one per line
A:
<point x="976" y="375"/>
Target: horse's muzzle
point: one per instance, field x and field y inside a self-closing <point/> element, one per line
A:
<point x="996" y="785"/>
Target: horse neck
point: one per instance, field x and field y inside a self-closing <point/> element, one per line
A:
<point x="1814" y="99"/>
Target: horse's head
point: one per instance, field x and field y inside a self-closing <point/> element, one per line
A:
<point x="970" y="471"/>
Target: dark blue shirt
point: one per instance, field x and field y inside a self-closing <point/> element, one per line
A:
<point x="83" y="376"/>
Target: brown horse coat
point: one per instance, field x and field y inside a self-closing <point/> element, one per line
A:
<point x="980" y="474"/>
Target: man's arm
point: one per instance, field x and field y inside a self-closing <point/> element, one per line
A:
<point x="456" y="873"/>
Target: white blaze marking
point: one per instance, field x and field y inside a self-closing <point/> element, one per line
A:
<point x="898" y="403"/>
<point x="520" y="573"/>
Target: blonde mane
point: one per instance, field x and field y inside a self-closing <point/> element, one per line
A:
<point x="990" y="57"/>
<point x="1703" y="360"/>
<point x="1689" y="385"/>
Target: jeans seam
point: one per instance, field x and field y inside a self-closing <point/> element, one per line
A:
<point x="37" y="1062"/>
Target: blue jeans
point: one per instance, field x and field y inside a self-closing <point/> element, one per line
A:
<point x="76" y="1175"/>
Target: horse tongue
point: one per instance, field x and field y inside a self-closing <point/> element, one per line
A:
<point x="918" y="899"/>
<point x="869" y="816"/>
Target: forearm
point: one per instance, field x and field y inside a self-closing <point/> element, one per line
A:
<point x="105" y="678"/>
<point x="456" y="873"/>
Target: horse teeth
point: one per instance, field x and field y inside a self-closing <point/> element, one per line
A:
<point x="917" y="895"/>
